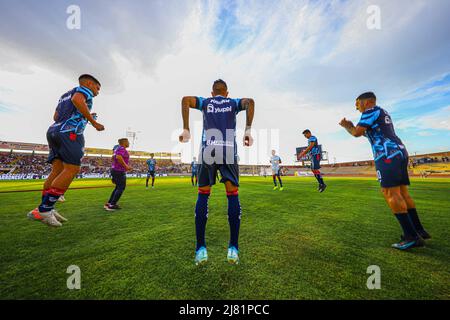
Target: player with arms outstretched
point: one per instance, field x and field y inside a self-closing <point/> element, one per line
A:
<point x="218" y="154"/>
<point x="66" y="142"/>
<point x="314" y="153"/>
<point x="275" y="162"/>
<point x="151" y="163"/>
<point x="391" y="163"/>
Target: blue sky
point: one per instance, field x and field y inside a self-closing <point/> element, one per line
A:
<point x="302" y="61"/>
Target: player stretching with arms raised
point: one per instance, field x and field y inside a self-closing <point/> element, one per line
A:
<point x="151" y="163"/>
<point x="391" y="163"/>
<point x="314" y="152"/>
<point x="218" y="153"/>
<point x="275" y="162"/>
<point x="194" y="171"/>
<point x="66" y="142"/>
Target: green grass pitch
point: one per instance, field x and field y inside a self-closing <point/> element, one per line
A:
<point x="295" y="244"/>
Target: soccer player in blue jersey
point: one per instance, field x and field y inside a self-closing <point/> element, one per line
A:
<point x="276" y="170"/>
<point x="218" y="154"/>
<point x="314" y="153"/>
<point x="151" y="163"/>
<point x="66" y="142"/>
<point x="391" y="163"/>
<point x="194" y="172"/>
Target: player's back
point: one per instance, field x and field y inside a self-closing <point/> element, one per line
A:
<point x="68" y="116"/>
<point x="219" y="112"/>
<point x="219" y="124"/>
<point x="381" y="133"/>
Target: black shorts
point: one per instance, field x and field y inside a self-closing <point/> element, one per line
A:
<point x="393" y="172"/>
<point x="207" y="174"/>
<point x="315" y="162"/>
<point x="150" y="174"/>
<point x="119" y="178"/>
<point x="66" y="146"/>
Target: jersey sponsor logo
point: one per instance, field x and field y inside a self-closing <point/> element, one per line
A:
<point x="220" y="143"/>
<point x="212" y="109"/>
<point x="63" y="99"/>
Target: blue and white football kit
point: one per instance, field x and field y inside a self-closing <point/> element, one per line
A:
<point x="390" y="155"/>
<point x="314" y="153"/>
<point x="65" y="137"/>
<point x="218" y="149"/>
<point x="194" y="168"/>
<point x="275" y="162"/>
<point x="151" y="163"/>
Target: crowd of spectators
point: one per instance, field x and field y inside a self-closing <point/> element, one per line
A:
<point x="425" y="160"/>
<point x="33" y="164"/>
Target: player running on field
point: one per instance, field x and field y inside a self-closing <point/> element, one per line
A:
<point x="194" y="172"/>
<point x="276" y="170"/>
<point x="66" y="142"/>
<point x="313" y="151"/>
<point x="218" y="154"/>
<point x="119" y="170"/>
<point x="151" y="163"/>
<point x="391" y="163"/>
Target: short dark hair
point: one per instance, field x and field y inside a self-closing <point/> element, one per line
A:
<point x="88" y="77"/>
<point x="121" y="140"/>
<point x="367" y="95"/>
<point x="219" y="85"/>
<point x="306" y="131"/>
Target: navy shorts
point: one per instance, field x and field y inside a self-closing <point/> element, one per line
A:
<point x="119" y="178"/>
<point x="194" y="174"/>
<point x="393" y="172"/>
<point x="207" y="174"/>
<point x="315" y="162"/>
<point x="66" y="146"/>
<point x="150" y="174"/>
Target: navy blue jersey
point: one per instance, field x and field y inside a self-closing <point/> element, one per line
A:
<point x="194" y="166"/>
<point x="151" y="164"/>
<point x="315" y="150"/>
<point x="219" y="129"/>
<point x="69" y="118"/>
<point x="381" y="134"/>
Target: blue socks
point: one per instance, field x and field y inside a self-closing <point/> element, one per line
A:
<point x="201" y="217"/>
<point x="234" y="218"/>
<point x="319" y="178"/>
<point x="412" y="213"/>
<point x="407" y="225"/>
<point x="49" y="198"/>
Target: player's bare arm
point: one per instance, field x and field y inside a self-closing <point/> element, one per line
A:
<point x="357" y="131"/>
<point x="55" y="116"/>
<point x="308" y="149"/>
<point x="248" y="105"/>
<point x="79" y="101"/>
<point x="186" y="104"/>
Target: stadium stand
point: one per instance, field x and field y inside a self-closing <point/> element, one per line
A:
<point x="28" y="161"/>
